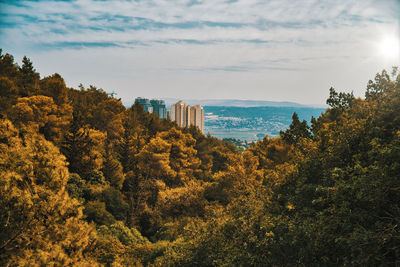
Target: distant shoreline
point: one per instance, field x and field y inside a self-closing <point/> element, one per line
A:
<point x="253" y="123"/>
<point x="234" y="103"/>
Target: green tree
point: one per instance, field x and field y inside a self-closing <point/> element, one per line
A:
<point x="95" y="211"/>
<point x="115" y="203"/>
<point x="8" y="94"/>
<point x="29" y="78"/>
<point x="84" y="149"/>
<point x="113" y="171"/>
<point x="296" y="130"/>
<point x="8" y="68"/>
<point x="339" y="100"/>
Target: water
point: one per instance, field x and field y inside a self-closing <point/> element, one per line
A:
<point x="252" y="123"/>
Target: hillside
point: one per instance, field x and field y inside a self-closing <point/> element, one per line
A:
<point x="85" y="181"/>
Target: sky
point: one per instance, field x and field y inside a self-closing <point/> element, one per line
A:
<point x="275" y="50"/>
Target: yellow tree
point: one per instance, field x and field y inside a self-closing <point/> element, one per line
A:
<point x="167" y="165"/>
<point x="40" y="224"/>
<point x="107" y="117"/>
<point x="183" y="155"/>
<point x="40" y="114"/>
<point x="54" y="87"/>
<point x="153" y="167"/>
<point x="85" y="151"/>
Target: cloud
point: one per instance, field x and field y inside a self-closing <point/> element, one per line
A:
<point x="224" y="38"/>
<point x="86" y="16"/>
<point x="77" y="45"/>
<point x="242" y="68"/>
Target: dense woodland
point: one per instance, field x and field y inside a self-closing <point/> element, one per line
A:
<point x="85" y="181"/>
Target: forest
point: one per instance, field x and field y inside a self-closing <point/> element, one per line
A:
<point x="85" y="181"/>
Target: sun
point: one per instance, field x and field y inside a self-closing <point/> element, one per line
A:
<point x="390" y="47"/>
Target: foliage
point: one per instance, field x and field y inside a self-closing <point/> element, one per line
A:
<point x="40" y="223"/>
<point x="296" y="131"/>
<point x="86" y="181"/>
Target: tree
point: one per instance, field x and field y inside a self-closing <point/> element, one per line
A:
<point x="240" y="178"/>
<point x="296" y="130"/>
<point x="40" y="223"/>
<point x="8" y="94"/>
<point x="84" y="150"/>
<point x="39" y="114"/>
<point x="183" y="155"/>
<point x="380" y="85"/>
<point x="115" y="203"/>
<point x="29" y="78"/>
<point x="339" y="100"/>
<point x="54" y="87"/>
<point x="113" y="171"/>
<point x="95" y="211"/>
<point x="8" y="68"/>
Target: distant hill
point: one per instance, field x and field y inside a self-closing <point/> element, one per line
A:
<point x="233" y="103"/>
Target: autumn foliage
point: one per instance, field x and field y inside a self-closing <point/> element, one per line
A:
<point x="85" y="181"/>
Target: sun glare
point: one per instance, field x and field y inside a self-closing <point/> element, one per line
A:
<point x="390" y="47"/>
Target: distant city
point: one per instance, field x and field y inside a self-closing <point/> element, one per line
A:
<point x="180" y="112"/>
<point x="245" y="123"/>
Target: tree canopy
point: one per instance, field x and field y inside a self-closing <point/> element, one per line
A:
<point x="86" y="181"/>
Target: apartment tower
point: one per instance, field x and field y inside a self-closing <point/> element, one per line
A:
<point x="159" y="108"/>
<point x="185" y="115"/>
<point x="197" y="116"/>
<point x="145" y="104"/>
<point x="153" y="106"/>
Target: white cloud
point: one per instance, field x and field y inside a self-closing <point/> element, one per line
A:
<point x="212" y="45"/>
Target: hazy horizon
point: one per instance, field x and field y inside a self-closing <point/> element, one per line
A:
<point x="234" y="102"/>
<point x="253" y="50"/>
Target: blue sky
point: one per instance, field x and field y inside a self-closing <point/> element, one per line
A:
<point x="280" y="50"/>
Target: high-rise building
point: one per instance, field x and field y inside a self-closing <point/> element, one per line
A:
<point x="159" y="108"/>
<point x="145" y="104"/>
<point x="171" y="113"/>
<point x="184" y="115"/>
<point x="153" y="106"/>
<point x="178" y="113"/>
<point x="197" y="116"/>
